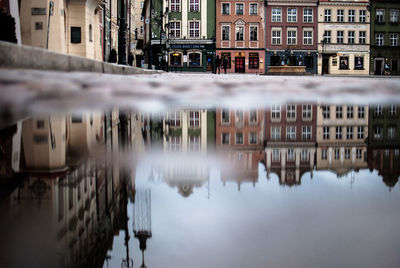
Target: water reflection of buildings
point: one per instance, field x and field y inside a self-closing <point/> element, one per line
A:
<point x="341" y="134"/>
<point x="384" y="142"/>
<point x="62" y="192"/>
<point x="240" y="142"/>
<point x="290" y="141"/>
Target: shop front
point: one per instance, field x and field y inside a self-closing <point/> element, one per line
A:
<point x="292" y="58"/>
<point x="243" y="61"/>
<point x="344" y="63"/>
<point x="190" y="57"/>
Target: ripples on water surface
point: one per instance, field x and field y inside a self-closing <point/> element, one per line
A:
<point x="286" y="185"/>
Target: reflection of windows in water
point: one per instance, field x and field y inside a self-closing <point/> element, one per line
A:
<point x="324" y="154"/>
<point x="76" y="118"/>
<point x="194" y="119"/>
<point x="275" y="155"/>
<point x="304" y="155"/>
<point x="275" y="133"/>
<point x="194" y="143"/>
<point x="239" y="138"/>
<point x="40" y="138"/>
<point x="359" y="153"/>
<point x="347" y="153"/>
<point x="337" y="153"/>
<point x="225" y="116"/>
<point x="253" y="116"/>
<point x="194" y="59"/>
<point x="225" y="138"/>
<point x="175" y="119"/>
<point x="239" y="117"/>
<point x="253" y="138"/>
<point x="290" y="155"/>
<point x="175" y="144"/>
<point x="40" y="124"/>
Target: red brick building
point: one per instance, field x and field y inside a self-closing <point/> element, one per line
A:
<point x="290" y="135"/>
<point x="240" y="35"/>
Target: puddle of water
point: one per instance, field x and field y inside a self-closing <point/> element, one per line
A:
<point x="285" y="185"/>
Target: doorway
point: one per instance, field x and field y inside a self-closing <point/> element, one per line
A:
<point x="209" y="67"/>
<point x="378" y="67"/>
<point x="239" y="65"/>
<point x="325" y="64"/>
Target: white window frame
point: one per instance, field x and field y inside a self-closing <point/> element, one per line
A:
<point x="306" y="133"/>
<point x="326" y="133"/>
<point x="349" y="132"/>
<point x="250" y="28"/>
<point x="228" y="138"/>
<point x="362" y="15"/>
<point x="350" y="112"/>
<point x="276" y="14"/>
<point x="275" y="133"/>
<point x="173" y="30"/>
<point x="339" y="133"/>
<point x="362" y="37"/>
<point x="175" y="5"/>
<point x="291" y="40"/>
<point x="175" y="143"/>
<point x="276" y="155"/>
<point x="292" y="14"/>
<point x="328" y="36"/>
<point x="194" y="5"/>
<point x="195" y="119"/>
<point x="360" y="132"/>
<point x="327" y="15"/>
<point x="306" y="112"/>
<point x="304" y="155"/>
<point x="276" y="40"/>
<point x="351" y="37"/>
<point x="351" y="15"/>
<point x="222" y="8"/>
<point x="308" y="17"/>
<point x="222" y="32"/>
<point x="291" y="112"/>
<point x="380" y="15"/>
<point x="252" y="9"/>
<point x="236" y="138"/>
<point x="340" y="37"/>
<point x="340" y="15"/>
<point x="291" y="132"/>
<point x="394" y="39"/>
<point x="308" y="40"/>
<point x="253" y="137"/>
<point x="394" y="15"/>
<point x="236" y="9"/>
<point x="194" y="145"/>
<point x="361" y="112"/>
<point x="195" y="29"/>
<point x="276" y="112"/>
<point x="237" y="29"/>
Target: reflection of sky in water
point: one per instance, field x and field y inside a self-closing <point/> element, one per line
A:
<point x="324" y="222"/>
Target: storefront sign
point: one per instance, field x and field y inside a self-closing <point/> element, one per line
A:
<point x="187" y="46"/>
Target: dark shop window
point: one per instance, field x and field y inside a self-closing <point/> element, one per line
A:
<point x="75" y="35"/>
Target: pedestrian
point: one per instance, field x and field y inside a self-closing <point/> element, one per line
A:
<point x="225" y="64"/>
<point x="218" y="65"/>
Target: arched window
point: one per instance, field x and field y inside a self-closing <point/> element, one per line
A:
<point x="175" y="59"/>
<point x="195" y="59"/>
<point x="90" y="33"/>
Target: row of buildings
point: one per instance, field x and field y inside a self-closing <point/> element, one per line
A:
<point x="357" y="37"/>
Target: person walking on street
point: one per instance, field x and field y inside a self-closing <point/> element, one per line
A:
<point x="225" y="64"/>
<point x="218" y="65"/>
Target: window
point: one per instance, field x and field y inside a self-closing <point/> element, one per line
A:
<point x="194" y="6"/>
<point x="337" y="153"/>
<point x="276" y="37"/>
<point x="340" y="15"/>
<point x="253" y="116"/>
<point x="175" y="5"/>
<point x="275" y="133"/>
<point x="358" y="63"/>
<point x="391" y="133"/>
<point x="40" y="138"/>
<point x="307" y="37"/>
<point x="253" y="138"/>
<point x="275" y="155"/>
<point x="349" y="133"/>
<point x="392" y="111"/>
<point x="327" y="37"/>
<point x="76" y="118"/>
<point x="292" y="14"/>
<point x="291" y="112"/>
<point x="194" y="29"/>
<point x="226" y="8"/>
<point x="339" y="112"/>
<point x="307" y="111"/>
<point x="253" y="33"/>
<point x="350" y="37"/>
<point x="40" y="124"/>
<point x="304" y="155"/>
<point x="290" y="132"/>
<point x="239" y="9"/>
<point x="290" y="155"/>
<point x="75" y="35"/>
<point x="225" y="116"/>
<point x="378" y="111"/>
<point x="307" y="15"/>
<point x="326" y="110"/>
<point x="306" y="133"/>
<point x="328" y="15"/>
<point x="358" y="153"/>
<point x="226" y="32"/>
<point x="175" y="119"/>
<point x="309" y="60"/>
<point x="253" y="9"/>
<point x="394" y="65"/>
<point x="194" y="117"/>
<point x="239" y="137"/>
<point x="324" y="154"/>
<point x="175" y="29"/>
<point x="90" y="33"/>
<point x="253" y="60"/>
<point x="380" y="15"/>
<point x="175" y="144"/>
<point x="344" y="63"/>
<point x="276" y="14"/>
<point x="292" y="37"/>
<point x="338" y="133"/>
<point x="194" y="143"/>
<point x="350" y="112"/>
<point x="141" y="4"/>
<point x="340" y="37"/>
<point x="194" y="59"/>
<point x="361" y="111"/>
<point x="347" y="153"/>
<point x="276" y="112"/>
<point x="394" y="40"/>
<point x="362" y="37"/>
<point x="225" y="138"/>
<point x="326" y="133"/>
<point x="175" y="59"/>
<point x="379" y="39"/>
<point x="394" y="15"/>
<point x="141" y="18"/>
<point x="39" y="25"/>
<point x="377" y="132"/>
<point x="352" y="15"/>
<point x="363" y="16"/>
<point x="239" y="118"/>
<point x="360" y="132"/>
<point x="239" y="33"/>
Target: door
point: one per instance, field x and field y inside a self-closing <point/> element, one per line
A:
<point x="239" y="65"/>
<point x="209" y="63"/>
<point x="325" y="64"/>
<point x="378" y="67"/>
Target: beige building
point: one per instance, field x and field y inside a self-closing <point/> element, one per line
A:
<point x="343" y="37"/>
<point x="74" y="28"/>
<point x="137" y="31"/>
<point x="341" y="134"/>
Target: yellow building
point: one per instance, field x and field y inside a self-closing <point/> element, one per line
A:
<point x="343" y="37"/>
<point x="73" y="27"/>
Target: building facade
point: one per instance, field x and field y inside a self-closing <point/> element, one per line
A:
<point x="290" y="141"/>
<point x="341" y="134"/>
<point x="385" y="31"/>
<point x="291" y="33"/>
<point x="240" y="35"/>
<point x="343" y="37"/>
<point x="136" y="32"/>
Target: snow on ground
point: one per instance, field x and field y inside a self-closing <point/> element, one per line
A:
<point x="34" y="91"/>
